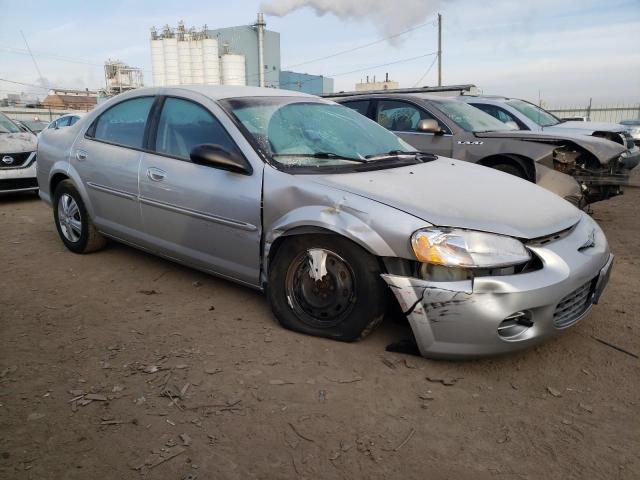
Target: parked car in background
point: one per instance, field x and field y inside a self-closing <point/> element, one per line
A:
<point x="328" y="213"/>
<point x="528" y="116"/>
<point x="36" y="126"/>
<point x="452" y="128"/>
<point x="17" y="158"/>
<point x="33" y="126"/>
<point x="633" y="128"/>
<point x="65" y="120"/>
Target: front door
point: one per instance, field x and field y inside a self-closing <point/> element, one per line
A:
<point x="402" y="119"/>
<point x="201" y="215"/>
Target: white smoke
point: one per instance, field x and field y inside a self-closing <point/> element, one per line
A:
<point x="390" y="16"/>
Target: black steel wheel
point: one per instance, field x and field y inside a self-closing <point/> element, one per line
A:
<point x="326" y="285"/>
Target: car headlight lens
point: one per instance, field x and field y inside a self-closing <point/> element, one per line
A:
<point x="466" y="248"/>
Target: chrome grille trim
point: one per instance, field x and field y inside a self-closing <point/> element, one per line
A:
<point x="573" y="305"/>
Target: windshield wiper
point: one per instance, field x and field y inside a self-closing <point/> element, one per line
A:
<point x="402" y="153"/>
<point x="327" y="155"/>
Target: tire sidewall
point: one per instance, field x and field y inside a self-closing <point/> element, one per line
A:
<point x="68" y="188"/>
<point x="370" y="289"/>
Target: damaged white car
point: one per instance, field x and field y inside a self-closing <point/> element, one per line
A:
<point x="329" y="213"/>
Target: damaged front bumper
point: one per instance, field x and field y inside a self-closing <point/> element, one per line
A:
<point x="500" y="314"/>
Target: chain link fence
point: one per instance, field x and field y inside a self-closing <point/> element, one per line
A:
<point x="603" y="113"/>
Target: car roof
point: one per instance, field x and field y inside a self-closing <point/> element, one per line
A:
<point x="400" y="96"/>
<point x="219" y="92"/>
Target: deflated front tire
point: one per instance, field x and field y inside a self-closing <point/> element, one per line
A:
<point x="326" y="286"/>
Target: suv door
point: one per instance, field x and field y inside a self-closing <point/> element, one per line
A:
<point x="402" y="119"/>
<point x="204" y="216"/>
<point x="107" y="159"/>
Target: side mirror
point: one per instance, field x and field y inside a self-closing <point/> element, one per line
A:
<point x="429" y="126"/>
<point x="513" y="125"/>
<point x="215" y="156"/>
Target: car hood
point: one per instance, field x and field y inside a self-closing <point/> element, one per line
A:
<point x="587" y="128"/>
<point x="17" y="142"/>
<point x="604" y="150"/>
<point x="453" y="193"/>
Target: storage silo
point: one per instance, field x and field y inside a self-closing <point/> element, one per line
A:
<point x="184" y="61"/>
<point x="172" y="76"/>
<point x="233" y="69"/>
<point x="210" y="61"/>
<point x="197" y="62"/>
<point x="157" y="62"/>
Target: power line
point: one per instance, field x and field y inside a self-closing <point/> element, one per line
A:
<point x="427" y="72"/>
<point x="53" y="56"/>
<point x="24" y="84"/>
<point x="359" y="47"/>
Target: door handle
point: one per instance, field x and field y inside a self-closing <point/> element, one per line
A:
<point x="81" y="155"/>
<point x="156" y="174"/>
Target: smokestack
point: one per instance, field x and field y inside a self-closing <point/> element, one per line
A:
<point x="386" y="77"/>
<point x="260" y="24"/>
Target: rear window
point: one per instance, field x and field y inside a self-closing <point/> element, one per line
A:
<point x="124" y="123"/>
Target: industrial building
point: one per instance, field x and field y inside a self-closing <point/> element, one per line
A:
<point x="303" y="82"/>
<point x="370" y="86"/>
<point x="241" y="55"/>
<point x="120" y="77"/>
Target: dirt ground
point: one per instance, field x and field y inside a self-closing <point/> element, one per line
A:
<point x="120" y="365"/>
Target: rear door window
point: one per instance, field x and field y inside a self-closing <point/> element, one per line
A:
<point x="124" y="123"/>
<point x="184" y="124"/>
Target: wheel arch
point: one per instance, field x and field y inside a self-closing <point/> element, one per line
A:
<point x="525" y="164"/>
<point x="357" y="232"/>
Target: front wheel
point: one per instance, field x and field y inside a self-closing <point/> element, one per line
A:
<point x="327" y="286"/>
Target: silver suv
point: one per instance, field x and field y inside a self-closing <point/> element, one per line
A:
<point x="329" y="213"/>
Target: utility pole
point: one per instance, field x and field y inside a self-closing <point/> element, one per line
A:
<point x="260" y="24"/>
<point x="439" y="50"/>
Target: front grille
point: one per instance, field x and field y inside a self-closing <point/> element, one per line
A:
<point x="571" y="307"/>
<point x="17" y="183"/>
<point x="19" y="160"/>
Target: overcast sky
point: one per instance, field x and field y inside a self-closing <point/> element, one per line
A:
<point x="566" y="50"/>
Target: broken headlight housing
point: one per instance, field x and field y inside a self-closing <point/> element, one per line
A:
<point x="452" y="247"/>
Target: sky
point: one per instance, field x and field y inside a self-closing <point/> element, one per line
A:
<point x="562" y="51"/>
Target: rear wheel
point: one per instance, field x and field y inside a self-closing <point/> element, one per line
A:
<point x="76" y="230"/>
<point x="327" y="286"/>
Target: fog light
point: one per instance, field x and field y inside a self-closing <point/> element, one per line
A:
<point x="515" y="325"/>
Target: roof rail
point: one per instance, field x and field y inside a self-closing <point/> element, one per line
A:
<point x="453" y="89"/>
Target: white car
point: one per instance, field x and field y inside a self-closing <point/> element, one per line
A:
<point x="527" y="116"/>
<point x="17" y="158"/>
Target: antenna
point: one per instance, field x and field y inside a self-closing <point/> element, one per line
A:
<point x="33" y="58"/>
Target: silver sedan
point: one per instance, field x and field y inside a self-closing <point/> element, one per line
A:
<point x="330" y="214"/>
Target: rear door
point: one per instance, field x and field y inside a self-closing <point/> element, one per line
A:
<point x="107" y="159"/>
<point x="200" y="215"/>
<point x="402" y="118"/>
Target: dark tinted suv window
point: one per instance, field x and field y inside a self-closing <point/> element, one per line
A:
<point x="184" y="124"/>
<point x="124" y="123"/>
<point x="361" y="106"/>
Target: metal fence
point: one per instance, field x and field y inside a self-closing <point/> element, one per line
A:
<point x="23" y="113"/>
<point x="611" y="113"/>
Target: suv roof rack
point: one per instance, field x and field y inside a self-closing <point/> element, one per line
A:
<point x="468" y="89"/>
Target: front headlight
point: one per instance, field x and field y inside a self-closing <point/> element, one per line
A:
<point x="453" y="247"/>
